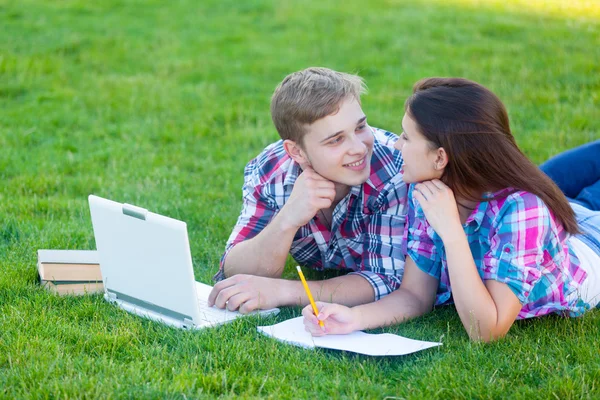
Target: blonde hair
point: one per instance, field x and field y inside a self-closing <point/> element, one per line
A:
<point x="306" y="96"/>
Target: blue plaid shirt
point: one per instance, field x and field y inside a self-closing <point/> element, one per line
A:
<point x="367" y="225"/>
<point x="514" y="239"/>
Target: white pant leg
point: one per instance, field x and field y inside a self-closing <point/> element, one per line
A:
<point x="590" y="262"/>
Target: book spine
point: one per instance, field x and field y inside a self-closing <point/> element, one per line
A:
<point x="53" y="282"/>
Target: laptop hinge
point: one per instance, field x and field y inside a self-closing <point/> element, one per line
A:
<point x="111" y="295"/>
<point x="135" y="212"/>
<point x="188" y="323"/>
<point x="183" y="318"/>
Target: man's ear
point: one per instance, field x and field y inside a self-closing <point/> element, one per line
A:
<point x="295" y="152"/>
<point x="441" y="160"/>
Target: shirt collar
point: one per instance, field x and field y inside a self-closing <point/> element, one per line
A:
<point x="383" y="165"/>
<point x="292" y="173"/>
<point x="478" y="213"/>
<point x="370" y="181"/>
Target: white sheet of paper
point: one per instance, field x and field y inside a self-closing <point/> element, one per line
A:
<point x="385" y="344"/>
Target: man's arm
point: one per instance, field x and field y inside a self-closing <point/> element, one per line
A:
<point x="265" y="253"/>
<point x="383" y="240"/>
<point x="247" y="292"/>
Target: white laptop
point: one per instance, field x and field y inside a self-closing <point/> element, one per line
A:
<point x="146" y="266"/>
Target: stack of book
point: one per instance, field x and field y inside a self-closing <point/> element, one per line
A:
<point x="70" y="271"/>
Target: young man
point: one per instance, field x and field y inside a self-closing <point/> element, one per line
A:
<point x="330" y="193"/>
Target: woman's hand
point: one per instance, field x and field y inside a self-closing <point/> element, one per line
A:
<point x="439" y="205"/>
<point x="338" y="319"/>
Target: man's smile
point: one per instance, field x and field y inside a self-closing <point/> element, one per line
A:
<point x="357" y="165"/>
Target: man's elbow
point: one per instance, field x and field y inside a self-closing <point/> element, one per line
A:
<point x="229" y="268"/>
<point x="228" y="262"/>
<point x="238" y="259"/>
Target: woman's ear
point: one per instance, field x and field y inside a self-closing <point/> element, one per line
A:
<point x="295" y="152"/>
<point x="441" y="160"/>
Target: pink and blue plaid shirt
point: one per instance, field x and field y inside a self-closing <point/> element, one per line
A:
<point x="367" y="226"/>
<point x="515" y="240"/>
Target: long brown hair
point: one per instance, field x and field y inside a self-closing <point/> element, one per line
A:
<point x="471" y="124"/>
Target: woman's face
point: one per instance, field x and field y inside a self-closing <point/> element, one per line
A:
<point x="420" y="159"/>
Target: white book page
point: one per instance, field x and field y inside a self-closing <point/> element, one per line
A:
<point x="385" y="344"/>
<point x="68" y="256"/>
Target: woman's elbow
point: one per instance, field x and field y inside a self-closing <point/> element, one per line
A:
<point x="486" y="335"/>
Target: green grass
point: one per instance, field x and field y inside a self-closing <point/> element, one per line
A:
<point x="161" y="104"/>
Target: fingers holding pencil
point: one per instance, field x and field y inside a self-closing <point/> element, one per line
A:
<point x="309" y="295"/>
<point x="338" y="319"/>
<point x="312" y="324"/>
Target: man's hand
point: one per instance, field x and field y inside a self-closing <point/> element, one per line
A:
<point x="246" y="293"/>
<point x="310" y="194"/>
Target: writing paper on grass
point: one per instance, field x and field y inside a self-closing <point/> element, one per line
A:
<point x="384" y="344"/>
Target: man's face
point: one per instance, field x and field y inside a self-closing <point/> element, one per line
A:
<point x="339" y="146"/>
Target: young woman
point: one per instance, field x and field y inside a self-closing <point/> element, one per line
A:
<point x="486" y="229"/>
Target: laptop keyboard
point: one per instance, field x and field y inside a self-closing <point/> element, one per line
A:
<point x="213" y="314"/>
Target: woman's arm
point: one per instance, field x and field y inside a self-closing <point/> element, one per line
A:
<point x="487" y="310"/>
<point x="415" y="297"/>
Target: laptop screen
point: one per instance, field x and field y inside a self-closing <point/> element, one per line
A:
<point x="144" y="256"/>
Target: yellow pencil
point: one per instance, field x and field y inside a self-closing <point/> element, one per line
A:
<point x="310" y="298"/>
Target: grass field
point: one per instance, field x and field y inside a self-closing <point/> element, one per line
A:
<point x="161" y="104"/>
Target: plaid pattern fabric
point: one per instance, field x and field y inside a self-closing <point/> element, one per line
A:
<point x="367" y="225"/>
<point x="514" y="240"/>
<point x="589" y="224"/>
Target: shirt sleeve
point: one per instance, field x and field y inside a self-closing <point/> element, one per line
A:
<point x="418" y="240"/>
<point x="518" y="245"/>
<point x="257" y="212"/>
<point x="383" y="256"/>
